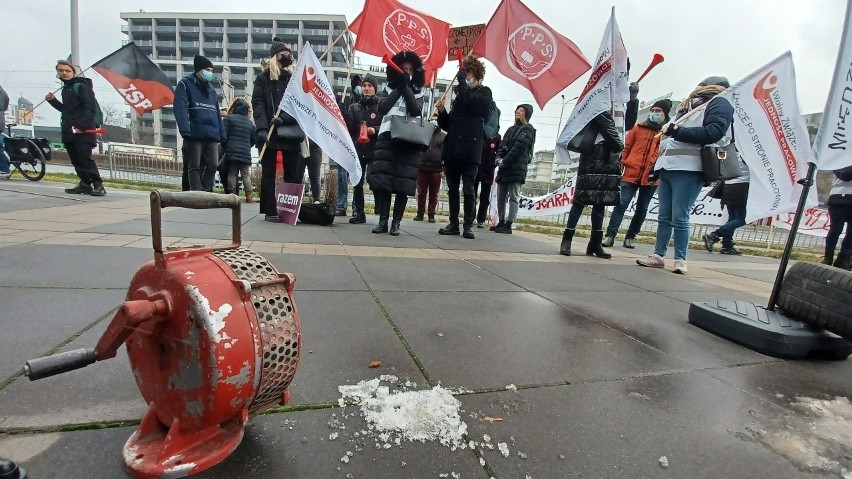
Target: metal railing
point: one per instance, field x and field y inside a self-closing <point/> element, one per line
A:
<point x="148" y="164"/>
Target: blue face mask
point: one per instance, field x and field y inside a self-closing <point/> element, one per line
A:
<point x="207" y="75"/>
<point x="359" y="90"/>
<point x="655" y="118"/>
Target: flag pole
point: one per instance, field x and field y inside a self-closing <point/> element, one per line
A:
<point x="328" y="50"/>
<point x="806" y="183"/>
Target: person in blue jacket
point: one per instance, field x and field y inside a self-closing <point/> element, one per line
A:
<point x="197" y="115"/>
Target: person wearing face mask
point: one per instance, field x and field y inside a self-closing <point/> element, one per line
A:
<point x="462" y="152"/>
<point x="196" y="110"/>
<point x="78" y="116"/>
<point x="363" y="113"/>
<point x="286" y="137"/>
<point x="641" y="148"/>
<point x="703" y="118"/>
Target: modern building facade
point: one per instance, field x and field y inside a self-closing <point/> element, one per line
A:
<point x="235" y="43"/>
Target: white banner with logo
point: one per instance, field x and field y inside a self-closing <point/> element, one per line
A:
<point x="815" y="222"/>
<point x="311" y="101"/>
<point x="771" y="138"/>
<point x="831" y="146"/>
<point x="606" y="86"/>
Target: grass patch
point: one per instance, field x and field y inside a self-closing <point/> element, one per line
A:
<point x="113" y="183"/>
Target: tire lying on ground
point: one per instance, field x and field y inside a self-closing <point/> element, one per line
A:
<point x="819" y="295"/>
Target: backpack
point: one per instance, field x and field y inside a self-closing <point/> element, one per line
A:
<point x="99" y="115"/>
<point x="492" y="121"/>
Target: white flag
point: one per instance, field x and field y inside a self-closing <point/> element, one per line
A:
<point x="310" y="100"/>
<point x="832" y="147"/>
<point x="607" y="87"/>
<point x="771" y="138"/>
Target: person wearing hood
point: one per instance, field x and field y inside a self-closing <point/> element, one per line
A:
<point x="196" y="109"/>
<point x="394" y="166"/>
<point x="363" y="113"/>
<point x="641" y="148"/>
<point x="840" y="214"/>
<point x="513" y="158"/>
<point x="240" y="136"/>
<point x="598" y="184"/>
<point x="285" y="136"/>
<point x="78" y="108"/>
<point x="702" y="119"/>
<point x="462" y="150"/>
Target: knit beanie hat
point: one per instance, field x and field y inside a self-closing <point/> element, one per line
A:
<point x="527" y="108"/>
<point x="665" y="105"/>
<point x="200" y="63"/>
<point x="370" y="79"/>
<point x="717" y="80"/>
<point x="278" y="46"/>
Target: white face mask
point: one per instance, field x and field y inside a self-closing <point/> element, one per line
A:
<point x="470" y="82"/>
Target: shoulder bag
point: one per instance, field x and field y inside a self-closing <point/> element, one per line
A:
<point x="720" y="162"/>
<point x="417" y="132"/>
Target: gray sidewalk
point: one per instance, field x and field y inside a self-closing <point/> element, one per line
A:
<point x="582" y="367"/>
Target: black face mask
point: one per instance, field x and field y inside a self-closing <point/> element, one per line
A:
<point x="285" y="61"/>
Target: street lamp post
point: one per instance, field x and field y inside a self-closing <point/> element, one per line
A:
<point x="564" y="102"/>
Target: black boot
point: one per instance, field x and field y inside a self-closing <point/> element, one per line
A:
<point x="468" y="233"/>
<point x="506" y="229"/>
<point x="451" y="229"/>
<point x="358" y="219"/>
<point x="499" y="224"/>
<point x="710" y="240"/>
<point x="565" y="246"/>
<point x="81" y="189"/>
<point x="10" y="470"/>
<point x="828" y="259"/>
<point x="843" y="261"/>
<point x="98" y="189"/>
<point x="595" y="248"/>
<point x="394" y="229"/>
<point x="382" y="227"/>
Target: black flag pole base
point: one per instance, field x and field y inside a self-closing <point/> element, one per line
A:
<point x="767" y="332"/>
<point x="766" y="329"/>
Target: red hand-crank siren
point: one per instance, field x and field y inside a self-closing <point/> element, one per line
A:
<point x="362" y="133"/>
<point x="213" y="338"/>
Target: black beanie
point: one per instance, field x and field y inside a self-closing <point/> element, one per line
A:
<point x="527" y="108"/>
<point x="665" y="105"/>
<point x="370" y="79"/>
<point x="278" y="46"/>
<point x="200" y="63"/>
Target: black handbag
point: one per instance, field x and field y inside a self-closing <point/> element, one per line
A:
<point x="414" y="131"/>
<point x="290" y="133"/>
<point x="719" y="162"/>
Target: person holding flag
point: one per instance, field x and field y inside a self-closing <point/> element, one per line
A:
<point x="704" y="118"/>
<point x="395" y="164"/>
<point x="840" y="213"/>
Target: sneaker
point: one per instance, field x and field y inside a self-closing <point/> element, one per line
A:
<point x="608" y="242"/>
<point x="432" y="218"/>
<point x="629" y="243"/>
<point x="340" y="212"/>
<point x="709" y="241"/>
<point x="98" y="189"/>
<point x="653" y="261"/>
<point x="680" y="266"/>
<point x="272" y="218"/>
<point x="80" y="189"/>
<point x="418" y="217"/>
<point x="5" y="175"/>
<point x="480" y="224"/>
<point x="732" y="251"/>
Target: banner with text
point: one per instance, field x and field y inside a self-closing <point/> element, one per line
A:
<point x="288" y="201"/>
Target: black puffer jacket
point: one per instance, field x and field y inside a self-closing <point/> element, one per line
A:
<point x="463" y="124"/>
<point x="485" y="174"/>
<point x="240" y="134"/>
<point x="516" y="151"/>
<point x="599" y="172"/>
<point x="78" y="109"/>
<point x="366" y="110"/>
<point x="430" y="160"/>
<point x="265" y="99"/>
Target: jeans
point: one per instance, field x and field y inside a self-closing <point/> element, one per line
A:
<point x="80" y="155"/>
<point x="484" y="200"/>
<point x="206" y="153"/>
<point x="510" y="192"/>
<point x="428" y="184"/>
<point x="4" y="160"/>
<point x="839" y="216"/>
<point x="628" y="190"/>
<point x="677" y="193"/>
<point x="342" y="188"/>
<point x="576" y="212"/>
<point x="245" y="172"/>
<point x="736" y="218"/>
<point x="358" y="192"/>
<point x="464" y="173"/>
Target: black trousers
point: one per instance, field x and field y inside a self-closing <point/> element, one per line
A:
<point x="464" y="173"/>
<point x="382" y="200"/>
<point x="358" y="192"/>
<point x="484" y="200"/>
<point x="294" y="172"/>
<point x="314" y="164"/>
<point x="80" y="154"/>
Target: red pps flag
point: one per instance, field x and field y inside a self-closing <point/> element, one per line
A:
<point x="142" y="84"/>
<point x="528" y="51"/>
<point x="387" y="26"/>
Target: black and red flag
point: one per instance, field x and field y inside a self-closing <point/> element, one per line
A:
<point x="136" y="78"/>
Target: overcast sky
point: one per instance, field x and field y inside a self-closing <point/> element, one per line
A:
<point x="698" y="39"/>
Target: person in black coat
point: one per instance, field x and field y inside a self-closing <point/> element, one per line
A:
<point x="429" y="176"/>
<point x="513" y="158"/>
<point x="240" y="136"/>
<point x="463" y="145"/>
<point x="78" y="115"/>
<point x="286" y="137"/>
<point x="485" y="177"/>
<point x="394" y="165"/>
<point x="364" y="112"/>
<point x="598" y="184"/>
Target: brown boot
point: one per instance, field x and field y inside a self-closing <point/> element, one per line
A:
<point x="249" y="199"/>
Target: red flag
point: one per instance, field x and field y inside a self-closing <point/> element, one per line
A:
<point x="141" y="82"/>
<point x="388" y="26"/>
<point x="528" y="51"/>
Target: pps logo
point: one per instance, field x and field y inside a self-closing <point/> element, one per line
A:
<point x="531" y="50"/>
<point x="408" y="31"/>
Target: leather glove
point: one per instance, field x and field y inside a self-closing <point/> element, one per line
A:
<point x="634" y="90"/>
<point x="277" y="121"/>
<point x="671" y="131"/>
<point x="461" y="75"/>
<point x="261" y="138"/>
<point x="653" y="176"/>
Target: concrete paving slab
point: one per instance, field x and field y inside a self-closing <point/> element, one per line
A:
<point x="621" y="429"/>
<point x="692" y="296"/>
<point x="551" y="276"/>
<point x="428" y="275"/>
<point x="35" y="320"/>
<point x="485" y="240"/>
<point x="649" y="279"/>
<point x="256" y="229"/>
<point x="361" y="235"/>
<point x="48" y="266"/>
<point x="142" y="227"/>
<point x="14" y="201"/>
<point x="319" y="273"/>
<point x="760" y="275"/>
<point x="658" y="322"/>
<point x="490" y="340"/>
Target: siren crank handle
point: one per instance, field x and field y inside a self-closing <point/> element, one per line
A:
<point x="197" y="200"/>
<point x="52" y="365"/>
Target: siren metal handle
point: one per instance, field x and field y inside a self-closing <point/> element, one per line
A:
<point x="196" y="200"/>
<point x="47" y="366"/>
